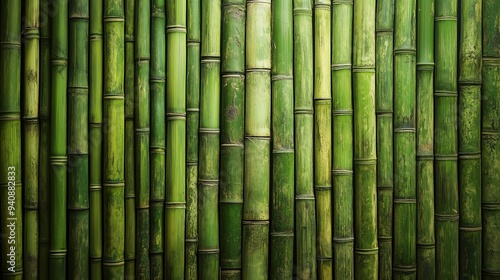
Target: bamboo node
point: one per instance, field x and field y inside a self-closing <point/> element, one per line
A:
<point x="426" y="245"/>
<point x="405" y="201"/>
<point x="490" y="272"/>
<point x="471" y="228"/>
<point x="452" y="157"/>
<point x="255" y="222"/>
<point x="404" y="269"/>
<point x="445" y="93"/>
<point x="240" y="75"/>
<point x="302" y="11"/>
<point x="282" y="234"/>
<point x="10" y="116"/>
<point x="342" y="112"/>
<point x="343" y="239"/>
<point x="342" y="2"/>
<point x="446" y="218"/>
<point x="279" y="77"/>
<point x="323" y="187"/>
<point x="341" y="66"/>
<point x="208" y="251"/>
<point x="342" y="172"/>
<point x="111" y="263"/>
<point x="176" y="29"/>
<point x="209" y="131"/>
<point x="370" y="251"/>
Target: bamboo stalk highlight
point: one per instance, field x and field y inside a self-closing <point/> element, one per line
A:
<point x="157" y="80"/>
<point x="384" y="80"/>
<point x="175" y="193"/>
<point x="342" y="118"/>
<point x="232" y="136"/>
<point x="426" y="251"/>
<point x="469" y="139"/>
<point x="78" y="148"/>
<point x="490" y="141"/>
<point x="365" y="160"/>
<point x="305" y="212"/>
<point x="31" y="143"/>
<point x="323" y="137"/>
<point x="10" y="136"/>
<point x="113" y="266"/>
<point x="445" y="140"/>
<point x="282" y="193"/>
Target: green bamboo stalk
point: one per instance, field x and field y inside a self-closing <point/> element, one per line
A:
<point x="78" y="159"/>
<point x="282" y="194"/>
<point x="58" y="157"/>
<point x="365" y="164"/>
<point x="426" y="250"/>
<point x="44" y="115"/>
<point x="469" y="139"/>
<point x="384" y="80"/>
<point x="256" y="188"/>
<point x="323" y="136"/>
<point x="405" y="204"/>
<point x="490" y="141"/>
<point x="10" y="136"/>
<point x="232" y="136"/>
<point x="157" y="140"/>
<point x="445" y="140"/>
<point x="31" y="143"/>
<point x="342" y="141"/>
<point x="95" y="138"/>
<point x="130" y="194"/>
<point x="175" y="194"/>
<point x="114" y="134"/>
<point x="208" y="172"/>
<point x="141" y="137"/>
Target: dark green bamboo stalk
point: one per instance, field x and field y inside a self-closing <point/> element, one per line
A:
<point x="256" y="189"/>
<point x="95" y="138"/>
<point x="323" y="136"/>
<point x="426" y="251"/>
<point x="141" y="137"/>
<point x="78" y="158"/>
<point x="208" y="172"/>
<point x="445" y="140"/>
<point x="31" y="143"/>
<point x="469" y="139"/>
<point x="490" y="140"/>
<point x="384" y="79"/>
<point x="365" y="160"/>
<point x="342" y="118"/>
<point x="175" y="194"/>
<point x="157" y="144"/>
<point x="114" y="134"/>
<point x="405" y="210"/>
<point x="58" y="155"/>
<point x="10" y="135"/>
<point x="232" y="136"/>
<point x="130" y="193"/>
<point x="282" y="193"/>
<point x="192" y="126"/>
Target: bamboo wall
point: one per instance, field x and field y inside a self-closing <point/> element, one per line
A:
<point x="258" y="139"/>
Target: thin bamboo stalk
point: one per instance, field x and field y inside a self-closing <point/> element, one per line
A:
<point x="469" y="139"/>
<point x="342" y="118"/>
<point x="232" y="136"/>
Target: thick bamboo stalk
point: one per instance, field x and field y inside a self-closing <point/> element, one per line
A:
<point x="232" y="136"/>
<point x="469" y="138"/>
<point x="445" y="140"/>
<point x="256" y="189"/>
<point x="405" y="210"/>
<point x="342" y="118"/>
<point x="78" y="149"/>
<point x="426" y="251"/>
<point x="305" y="212"/>
<point x="323" y="136"/>
<point x="490" y="141"/>
<point x="283" y="169"/>
<point x="175" y="194"/>
<point x="114" y="144"/>
<point x="10" y="136"/>
<point x="365" y="168"/>
<point x="31" y="141"/>
<point x="157" y="140"/>
<point x="384" y="80"/>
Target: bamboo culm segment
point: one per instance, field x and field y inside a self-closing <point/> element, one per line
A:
<point x="232" y="136"/>
<point x="342" y="140"/>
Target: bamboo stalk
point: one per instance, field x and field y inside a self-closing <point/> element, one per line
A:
<point x="78" y="159"/>
<point x="283" y="169"/>
<point x="342" y="118"/>
<point x="323" y="137"/>
<point x="445" y="140"/>
<point x="114" y="134"/>
<point x="232" y="136"/>
<point x="365" y="168"/>
<point x="31" y="143"/>
<point x="469" y="139"/>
